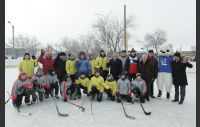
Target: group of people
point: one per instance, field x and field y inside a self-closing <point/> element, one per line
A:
<point x="128" y="74"/>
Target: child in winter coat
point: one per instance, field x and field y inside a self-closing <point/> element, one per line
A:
<point x="139" y="88"/>
<point x="92" y="63"/>
<point x="124" y="88"/>
<point x="52" y="81"/>
<point x="95" y="87"/>
<point x="39" y="83"/>
<point x="21" y="87"/>
<point x="67" y="88"/>
<point x="110" y="85"/>
<point x="82" y="83"/>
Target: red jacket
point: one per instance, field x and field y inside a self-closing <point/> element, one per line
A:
<point x="47" y="63"/>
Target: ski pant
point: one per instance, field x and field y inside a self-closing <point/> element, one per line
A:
<point x="131" y="77"/>
<point x="27" y="94"/>
<point x="182" y="90"/>
<point x="152" y="88"/>
<point x="40" y="94"/>
<point x="54" y="86"/>
<point x="73" y="78"/>
<point x="164" y="78"/>
<point x="138" y="93"/>
<point x="94" y="91"/>
<point x="79" y="87"/>
<point x="109" y="94"/>
<point x="127" y="97"/>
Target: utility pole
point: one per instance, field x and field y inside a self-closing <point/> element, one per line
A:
<point x="13" y="40"/>
<point x="125" y="27"/>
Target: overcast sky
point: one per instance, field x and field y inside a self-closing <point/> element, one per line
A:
<point x="51" y="20"/>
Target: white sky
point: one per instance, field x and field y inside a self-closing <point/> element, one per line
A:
<point x="51" y="20"/>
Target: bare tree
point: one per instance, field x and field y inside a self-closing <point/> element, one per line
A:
<point x="158" y="37"/>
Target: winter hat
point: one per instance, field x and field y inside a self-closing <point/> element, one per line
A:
<point x="177" y="54"/>
<point x="123" y="51"/>
<point x="70" y="55"/>
<point x="82" y="73"/>
<point x="48" y="52"/>
<point x="97" y="71"/>
<point x="138" y="74"/>
<point x="62" y="54"/>
<point x="22" y="73"/>
<point x="151" y="51"/>
<point x="133" y="50"/>
<point x="66" y="77"/>
<point x="52" y="69"/>
<point x="101" y="51"/>
<point x="39" y="69"/>
<point x="123" y="73"/>
<point x="26" y="54"/>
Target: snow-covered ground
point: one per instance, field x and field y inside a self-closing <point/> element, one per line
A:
<point x="164" y="113"/>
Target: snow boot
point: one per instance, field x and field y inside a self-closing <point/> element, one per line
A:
<point x="33" y="102"/>
<point x="46" y="96"/>
<point x="174" y="100"/>
<point x="160" y="93"/>
<point x="108" y="98"/>
<point x="56" y="96"/>
<point x="181" y="102"/>
<point x="28" y="104"/>
<point x="168" y="95"/>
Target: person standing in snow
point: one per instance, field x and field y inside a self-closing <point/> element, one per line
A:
<point x="39" y="84"/>
<point x="139" y="88"/>
<point x="123" y="58"/>
<point x="47" y="62"/>
<point x="21" y="87"/>
<point x="131" y="65"/>
<point x="124" y="88"/>
<point x="92" y="63"/>
<point x="154" y="63"/>
<point x="116" y="66"/>
<point x="28" y="65"/>
<point x="101" y="64"/>
<point x="179" y="76"/>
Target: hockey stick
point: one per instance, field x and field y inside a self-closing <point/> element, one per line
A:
<point x="84" y="100"/>
<point x="83" y="109"/>
<point x="8" y="99"/>
<point x="131" y="117"/>
<point x="18" y="108"/>
<point x="146" y="113"/>
<point x="60" y="114"/>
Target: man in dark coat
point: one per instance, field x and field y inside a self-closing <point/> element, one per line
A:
<point x="154" y="64"/>
<point x="146" y="70"/>
<point x="116" y="66"/>
<point x="179" y="76"/>
<point x="60" y="65"/>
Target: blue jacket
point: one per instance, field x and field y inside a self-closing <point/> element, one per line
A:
<point x="83" y="66"/>
<point x="165" y="64"/>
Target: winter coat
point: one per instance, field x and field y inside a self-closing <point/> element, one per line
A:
<point x="95" y="82"/>
<point x="42" y="81"/>
<point x="165" y="64"/>
<point x="70" y="67"/>
<point x="84" y="82"/>
<point x="116" y="67"/>
<point x="64" y="86"/>
<point x="131" y="64"/>
<point x="47" y="63"/>
<point x="111" y="84"/>
<point x="60" y="65"/>
<point x="179" y="72"/>
<point x="123" y="59"/>
<point x="28" y="66"/>
<point x="141" y="84"/>
<point x="154" y="64"/>
<point x="123" y="86"/>
<point x="146" y="71"/>
<point x="27" y="84"/>
<point x="101" y="62"/>
<point x="92" y="63"/>
<point x="51" y="78"/>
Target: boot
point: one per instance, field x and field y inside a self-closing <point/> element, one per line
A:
<point x="56" y="96"/>
<point x="28" y="104"/>
<point x="160" y="93"/>
<point x="33" y="102"/>
<point x="174" y="100"/>
<point x="152" y="96"/>
<point x="168" y="95"/>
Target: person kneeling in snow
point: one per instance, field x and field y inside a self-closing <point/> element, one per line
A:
<point x="110" y="85"/>
<point x="82" y="83"/>
<point x="39" y="84"/>
<point x="124" y="88"/>
<point x="67" y="88"/>
<point x="52" y="81"/>
<point x="95" y="87"/>
<point x="22" y="87"/>
<point x="139" y="88"/>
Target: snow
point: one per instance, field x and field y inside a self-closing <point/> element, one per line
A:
<point x="164" y="113"/>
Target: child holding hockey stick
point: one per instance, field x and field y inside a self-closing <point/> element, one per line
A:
<point x="110" y="85"/>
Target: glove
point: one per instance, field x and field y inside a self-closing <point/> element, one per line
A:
<point x="14" y="103"/>
<point x="20" y="88"/>
<point x="134" y="91"/>
<point x="33" y="57"/>
<point x="65" y="100"/>
<point x="129" y="94"/>
<point x="42" y="52"/>
<point x="48" y="87"/>
<point x="35" y="82"/>
<point x="38" y="85"/>
<point x="100" y="68"/>
<point x="117" y="92"/>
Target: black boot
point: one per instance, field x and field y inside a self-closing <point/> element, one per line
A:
<point x="168" y="95"/>
<point x="160" y="93"/>
<point x="174" y="100"/>
<point x="152" y="96"/>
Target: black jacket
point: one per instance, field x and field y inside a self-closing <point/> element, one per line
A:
<point x="60" y="65"/>
<point x="179" y="72"/>
<point x="154" y="64"/>
<point x="116" y="67"/>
